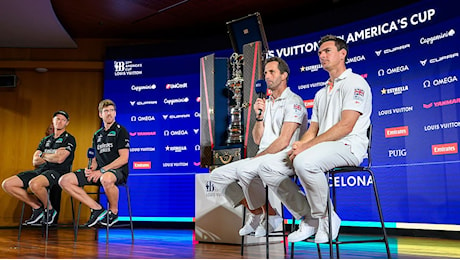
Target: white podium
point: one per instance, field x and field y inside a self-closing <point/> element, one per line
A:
<point x="216" y="221"/>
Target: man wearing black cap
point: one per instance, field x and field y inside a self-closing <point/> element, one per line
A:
<point x="53" y="157"/>
<point x="110" y="167"/>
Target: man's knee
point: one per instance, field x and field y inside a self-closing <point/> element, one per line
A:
<point x="5" y="185"/>
<point x="67" y="180"/>
<point x="108" y="180"/>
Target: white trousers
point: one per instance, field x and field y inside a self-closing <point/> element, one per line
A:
<point x="310" y="166"/>
<point x="226" y="178"/>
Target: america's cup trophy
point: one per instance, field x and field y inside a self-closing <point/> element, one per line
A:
<point x="235" y="84"/>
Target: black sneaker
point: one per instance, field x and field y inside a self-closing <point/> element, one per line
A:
<point x="51" y="216"/>
<point x="113" y="218"/>
<point x="37" y="215"/>
<point x="96" y="216"/>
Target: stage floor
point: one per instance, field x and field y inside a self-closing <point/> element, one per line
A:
<point x="180" y="243"/>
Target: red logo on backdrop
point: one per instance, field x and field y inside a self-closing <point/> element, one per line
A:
<point x="396" y="131"/>
<point x="142" y="165"/>
<point x="440" y="149"/>
<point x="308" y="103"/>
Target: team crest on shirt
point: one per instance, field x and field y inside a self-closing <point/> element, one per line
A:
<point x="112" y="133"/>
<point x="359" y="94"/>
<point x="297" y="107"/>
<point x="59" y="141"/>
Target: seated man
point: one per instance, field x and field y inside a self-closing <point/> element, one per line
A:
<point x="337" y="136"/>
<point x="111" y="144"/>
<point x="279" y="122"/>
<point x="53" y="157"/>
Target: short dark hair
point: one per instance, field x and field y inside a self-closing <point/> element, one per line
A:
<point x="282" y="65"/>
<point x="339" y="43"/>
<point x="106" y="103"/>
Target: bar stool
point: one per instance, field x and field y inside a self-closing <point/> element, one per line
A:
<point x="347" y="169"/>
<point x="99" y="193"/>
<point x="45" y="230"/>
<point x="280" y="233"/>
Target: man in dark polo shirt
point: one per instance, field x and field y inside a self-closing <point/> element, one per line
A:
<point x="53" y="157"/>
<point x="111" y="144"/>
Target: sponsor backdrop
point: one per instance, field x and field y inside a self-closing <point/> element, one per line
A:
<point x="410" y="57"/>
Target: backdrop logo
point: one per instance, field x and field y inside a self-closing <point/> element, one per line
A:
<point x="142" y="133"/>
<point x="176" y="100"/>
<point x="209" y="186"/>
<point x="397" y="153"/>
<point x="143" y="103"/>
<point x="389" y="71"/>
<point x="394" y="49"/>
<point x="176" y="85"/>
<point x="356" y="59"/>
<point x="312" y="85"/>
<point x="127" y="68"/>
<point x="176" y="149"/>
<point x="395" y="91"/>
<point x="175" y="132"/>
<point x="144" y="87"/>
<point x="398" y="110"/>
<point x="142" y="118"/>
<point x="444" y="57"/>
<point x="440" y="81"/>
<point x="442" y="103"/>
<point x="398" y="48"/>
<point x="142" y="165"/>
<point x="449" y="125"/>
<point x="308" y="103"/>
<point x="351" y="181"/>
<point x="440" y="149"/>
<point x="142" y="149"/>
<point x="174" y="164"/>
<point x="311" y="68"/>
<point x="432" y="39"/>
<point x="119" y="66"/>
<point x="396" y="131"/>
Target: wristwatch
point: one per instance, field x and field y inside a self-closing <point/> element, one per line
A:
<point x="102" y="170"/>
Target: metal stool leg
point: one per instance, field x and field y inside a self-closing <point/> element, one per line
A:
<point x="130" y="212"/>
<point x="242" y="237"/>
<point x="107" y="226"/>
<point x="21" y="220"/>
<point x="379" y="208"/>
<point x="267" y="247"/>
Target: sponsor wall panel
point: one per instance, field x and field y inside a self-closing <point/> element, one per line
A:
<point x="411" y="60"/>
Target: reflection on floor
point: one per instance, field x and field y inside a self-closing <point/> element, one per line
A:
<point x="169" y="243"/>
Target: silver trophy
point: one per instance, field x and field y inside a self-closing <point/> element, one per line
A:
<point x="235" y="84"/>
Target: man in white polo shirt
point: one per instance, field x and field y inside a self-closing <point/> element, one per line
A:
<point x="337" y="136"/>
<point x="280" y="120"/>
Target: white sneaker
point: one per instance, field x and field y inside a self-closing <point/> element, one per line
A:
<point x="251" y="224"/>
<point x="274" y="222"/>
<point x="322" y="236"/>
<point x="305" y="231"/>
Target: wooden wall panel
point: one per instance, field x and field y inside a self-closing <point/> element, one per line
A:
<point x="26" y="111"/>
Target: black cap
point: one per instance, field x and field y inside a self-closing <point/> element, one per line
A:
<point x="61" y="112"/>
